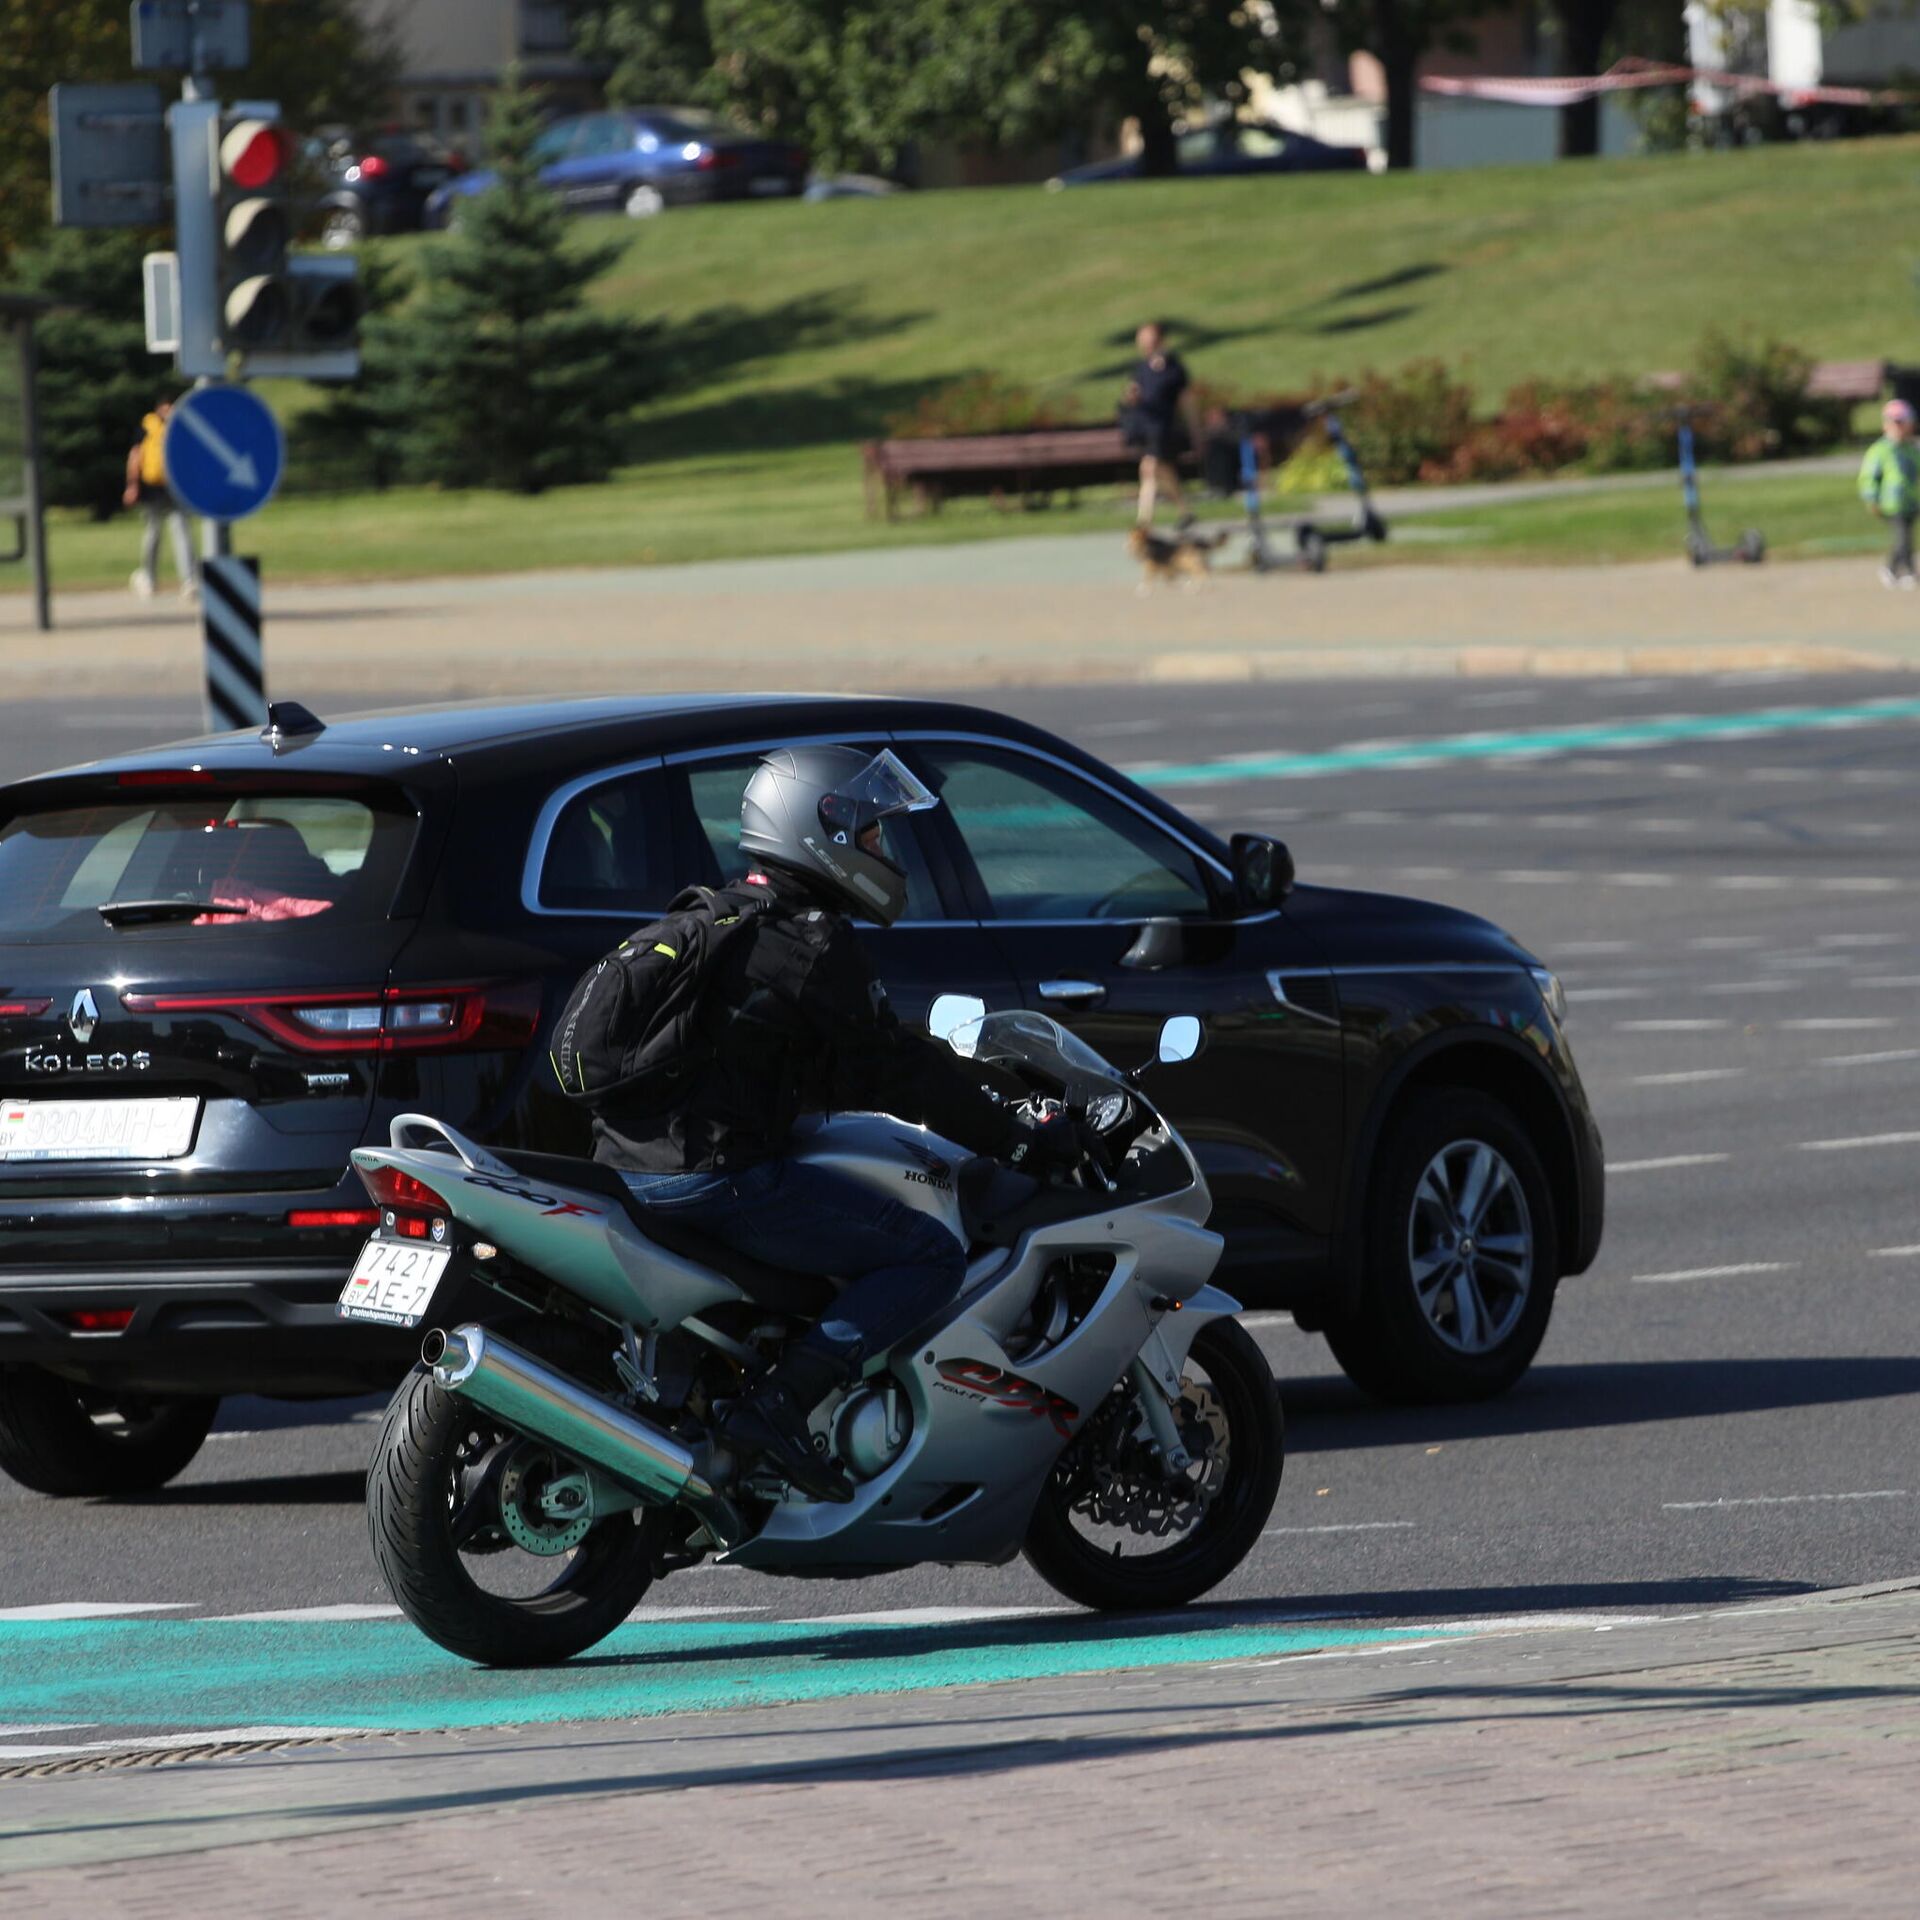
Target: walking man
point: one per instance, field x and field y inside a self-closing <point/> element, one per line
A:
<point x="147" y="489"/>
<point x="1890" y="486"/>
<point x="1153" y="420"/>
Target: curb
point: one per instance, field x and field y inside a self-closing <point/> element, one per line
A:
<point x="1518" y="663"/>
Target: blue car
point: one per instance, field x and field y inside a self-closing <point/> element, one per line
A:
<point x="642" y="160"/>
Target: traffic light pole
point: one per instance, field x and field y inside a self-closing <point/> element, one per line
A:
<point x="198" y="90"/>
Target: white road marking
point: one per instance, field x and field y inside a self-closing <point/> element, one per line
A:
<point x="159" y="1742"/>
<point x="1896" y="1253"/>
<point x="925" y="1616"/>
<point x="1106" y="729"/>
<point x="1727" y="942"/>
<point x="1781" y="1500"/>
<point x="1876" y="980"/>
<point x="1668" y="1026"/>
<point x="1680" y="1079"/>
<point x="1860" y="1140"/>
<point x="1718" y="1273"/>
<point x="1834" y="1024"/>
<point x="52" y="1726"/>
<point x="1348" y="1526"/>
<point x="1429" y="873"/>
<point x="92" y="1609"/>
<point x="1670" y="1160"/>
<point x="1860" y="940"/>
<point x="1665" y="826"/>
<point x="342" y="1612"/>
<point x="1756" y="986"/>
<point x="1534" y="876"/>
<point x="1522" y="698"/>
<point x="1861" y="883"/>
<point x="1799" y="775"/>
<point x="1609" y="993"/>
<point x="1749" y="882"/>
<point x="1870" y="1059"/>
<point x="1638" y="880"/>
<point x="1596" y="946"/>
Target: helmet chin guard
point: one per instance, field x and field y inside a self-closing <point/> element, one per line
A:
<point x="814" y="811"/>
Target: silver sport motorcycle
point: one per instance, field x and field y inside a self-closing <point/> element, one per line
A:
<point x="1088" y="1399"/>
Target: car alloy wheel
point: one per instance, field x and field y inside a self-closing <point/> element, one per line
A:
<point x="644" y="202"/>
<point x="1470" y="1246"/>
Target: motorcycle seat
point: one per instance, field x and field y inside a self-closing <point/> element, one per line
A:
<point x="804" y="1295"/>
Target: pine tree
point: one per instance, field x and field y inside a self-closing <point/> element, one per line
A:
<point x="512" y="381"/>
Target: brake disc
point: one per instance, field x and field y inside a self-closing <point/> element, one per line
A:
<point x="544" y="1511"/>
<point x="1117" y="1483"/>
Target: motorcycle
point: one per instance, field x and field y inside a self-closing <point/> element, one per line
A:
<point x="1088" y="1398"/>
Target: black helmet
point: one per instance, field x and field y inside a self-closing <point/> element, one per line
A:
<point x="806" y="809"/>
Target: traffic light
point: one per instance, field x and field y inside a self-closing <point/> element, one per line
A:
<point x="255" y="228"/>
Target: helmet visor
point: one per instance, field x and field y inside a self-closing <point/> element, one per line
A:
<point x="886" y="785"/>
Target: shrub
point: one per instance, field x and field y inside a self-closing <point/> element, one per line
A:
<point x="983" y="403"/>
<point x="1404" y="423"/>
<point x="1760" y="392"/>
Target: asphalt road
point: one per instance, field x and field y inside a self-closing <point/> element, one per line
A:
<point x="1721" y="1409"/>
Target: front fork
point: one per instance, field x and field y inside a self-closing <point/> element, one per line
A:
<point x="1157" y="1389"/>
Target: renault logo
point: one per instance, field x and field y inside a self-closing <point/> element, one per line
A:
<point x="83" y="1016"/>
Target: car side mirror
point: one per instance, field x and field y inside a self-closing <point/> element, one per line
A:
<point x="1180" y="1039"/>
<point x="1262" y="872"/>
<point x="1160" y="943"/>
<point x="952" y="1011"/>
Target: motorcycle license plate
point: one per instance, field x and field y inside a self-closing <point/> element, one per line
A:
<point x="393" y="1282"/>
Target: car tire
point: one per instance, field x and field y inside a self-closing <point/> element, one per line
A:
<point x="1442" y="1313"/>
<point x="71" y="1442"/>
<point x="643" y="203"/>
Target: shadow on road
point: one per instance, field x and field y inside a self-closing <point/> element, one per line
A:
<point x="1330" y="1416"/>
<point x="279" y="1490"/>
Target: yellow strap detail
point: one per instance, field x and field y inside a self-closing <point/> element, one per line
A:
<point x="660" y="946"/>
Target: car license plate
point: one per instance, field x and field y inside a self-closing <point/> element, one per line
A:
<point x="156" y="1129"/>
<point x="393" y="1282"/>
<point x="768" y="184"/>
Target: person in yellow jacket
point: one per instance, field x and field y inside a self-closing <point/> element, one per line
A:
<point x="147" y="489"/>
<point x="1890" y="488"/>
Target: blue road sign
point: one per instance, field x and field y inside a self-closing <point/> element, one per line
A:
<point x="224" y="453"/>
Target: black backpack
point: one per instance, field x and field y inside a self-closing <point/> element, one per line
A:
<point x="630" y="1031"/>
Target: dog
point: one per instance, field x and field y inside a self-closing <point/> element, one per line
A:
<point x="1186" y="556"/>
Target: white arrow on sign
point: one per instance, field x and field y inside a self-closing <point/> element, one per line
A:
<point x="241" y="472"/>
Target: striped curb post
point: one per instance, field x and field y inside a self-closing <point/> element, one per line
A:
<point x="236" y="670"/>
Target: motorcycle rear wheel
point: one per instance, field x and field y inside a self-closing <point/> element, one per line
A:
<point x="1242" y="1390"/>
<point x="412" y="1488"/>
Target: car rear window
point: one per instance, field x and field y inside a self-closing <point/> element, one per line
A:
<point x="273" y="857"/>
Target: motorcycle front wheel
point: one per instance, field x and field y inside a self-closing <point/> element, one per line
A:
<point x="472" y="1553"/>
<point x="1112" y="1532"/>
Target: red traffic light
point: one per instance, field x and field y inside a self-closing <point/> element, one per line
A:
<point x="254" y="154"/>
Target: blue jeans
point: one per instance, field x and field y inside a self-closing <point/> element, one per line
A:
<point x="899" y="1264"/>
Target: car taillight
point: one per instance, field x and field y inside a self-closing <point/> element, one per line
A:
<point x="389" y="1187"/>
<point x="23" y="1009"/>
<point x="99" y="1319"/>
<point x="394" y="1020"/>
<point x="165" y="777"/>
<point x="373" y="167"/>
<point x="334" y="1217"/>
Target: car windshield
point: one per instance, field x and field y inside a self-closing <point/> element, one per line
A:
<point x="1022" y="1039"/>
<point x="251" y="858"/>
<point x="689" y="123"/>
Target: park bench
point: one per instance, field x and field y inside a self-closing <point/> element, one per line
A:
<point x="1853" y="380"/>
<point x="1028" y="467"/>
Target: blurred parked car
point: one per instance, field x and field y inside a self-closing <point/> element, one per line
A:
<point x="1229" y="147"/>
<point x="642" y="160"/>
<point x="378" y="183"/>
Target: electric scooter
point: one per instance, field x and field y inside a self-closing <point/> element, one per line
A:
<point x="1751" y="547"/>
<point x="1311" y="539"/>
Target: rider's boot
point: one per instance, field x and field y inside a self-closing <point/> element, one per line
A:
<point x="771" y="1421"/>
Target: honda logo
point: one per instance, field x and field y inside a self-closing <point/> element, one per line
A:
<point x="83" y="1016"/>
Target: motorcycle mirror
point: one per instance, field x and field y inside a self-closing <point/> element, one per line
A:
<point x="952" y="1011"/>
<point x="1180" y="1039"/>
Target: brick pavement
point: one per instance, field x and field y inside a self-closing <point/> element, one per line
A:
<point x="1763" y="1761"/>
<point x="1009" y="613"/>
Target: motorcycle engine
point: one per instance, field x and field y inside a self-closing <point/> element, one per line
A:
<point x="870" y="1428"/>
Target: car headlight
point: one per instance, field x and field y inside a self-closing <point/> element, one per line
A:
<point x="1552" y="992"/>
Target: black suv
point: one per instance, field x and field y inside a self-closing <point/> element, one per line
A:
<point x="224" y="964"/>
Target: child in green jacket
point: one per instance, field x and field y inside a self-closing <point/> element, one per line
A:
<point x="1890" y="486"/>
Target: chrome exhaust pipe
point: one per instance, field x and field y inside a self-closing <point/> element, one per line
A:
<point x="538" y="1400"/>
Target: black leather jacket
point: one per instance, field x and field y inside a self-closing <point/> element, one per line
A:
<point x="799" y="1024"/>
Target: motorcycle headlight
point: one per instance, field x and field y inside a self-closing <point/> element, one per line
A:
<point x="1552" y="992"/>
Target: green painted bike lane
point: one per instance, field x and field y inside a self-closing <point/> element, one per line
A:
<point x="384" y="1676"/>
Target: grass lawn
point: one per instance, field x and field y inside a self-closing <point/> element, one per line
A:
<point x="791" y="332"/>
<point x="796" y="503"/>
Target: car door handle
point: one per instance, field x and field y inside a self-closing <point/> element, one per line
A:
<point x="1073" y="993"/>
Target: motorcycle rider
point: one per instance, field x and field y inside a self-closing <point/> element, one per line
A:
<point x="799" y="1025"/>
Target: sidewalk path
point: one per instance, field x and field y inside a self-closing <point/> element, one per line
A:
<point x="1015" y="612"/>
<point x="1763" y="1760"/>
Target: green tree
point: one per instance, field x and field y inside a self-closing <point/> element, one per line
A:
<point x="321" y="59"/>
<point x="858" y="80"/>
<point x="97" y="378"/>
<point x="510" y="379"/>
